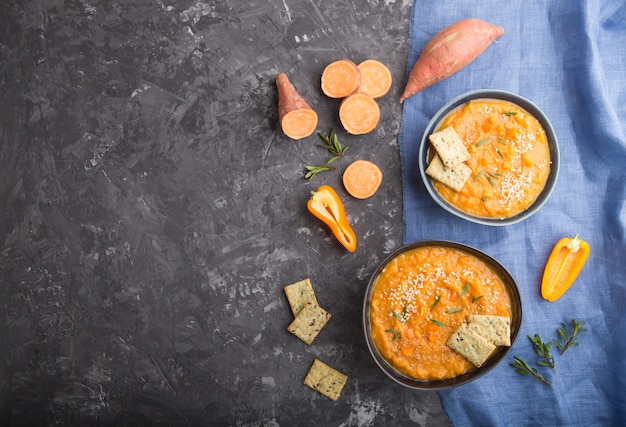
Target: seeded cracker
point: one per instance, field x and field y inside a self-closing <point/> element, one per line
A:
<point x="454" y="177"/>
<point x="298" y="294"/>
<point x="449" y="146"/>
<point x="496" y="329"/>
<point x="325" y="380"/>
<point x="470" y="345"/>
<point x="309" y="322"/>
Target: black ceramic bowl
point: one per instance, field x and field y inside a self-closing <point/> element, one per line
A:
<point x="494" y="359"/>
<point x="506" y="96"/>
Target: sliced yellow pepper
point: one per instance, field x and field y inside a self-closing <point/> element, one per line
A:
<point x="565" y="263"/>
<point x="326" y="205"/>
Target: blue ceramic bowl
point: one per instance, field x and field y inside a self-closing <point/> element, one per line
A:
<point x="498" y="355"/>
<point x="506" y="96"/>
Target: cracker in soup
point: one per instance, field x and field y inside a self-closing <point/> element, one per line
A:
<point x="470" y="345"/>
<point x="309" y="322"/>
<point x="496" y="329"/>
<point x="449" y="146"/>
<point x="454" y="177"/>
<point x="325" y="380"/>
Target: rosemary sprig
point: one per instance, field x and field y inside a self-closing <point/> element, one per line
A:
<point x="521" y="367"/>
<point x="543" y="350"/>
<point x="476" y="298"/>
<point x="510" y="113"/>
<point x="332" y="144"/>
<point x="334" y="147"/>
<point x="396" y="334"/>
<point x="465" y="288"/>
<point x="437" y="299"/>
<point x="481" y="142"/>
<point x="401" y="317"/>
<point x="569" y="335"/>
<point x="454" y="310"/>
<point x="314" y="170"/>
<point x="437" y="322"/>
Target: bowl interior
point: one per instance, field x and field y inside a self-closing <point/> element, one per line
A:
<point x="524" y="103"/>
<point x="496" y="357"/>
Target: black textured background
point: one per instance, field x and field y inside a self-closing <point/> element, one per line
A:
<point x="152" y="211"/>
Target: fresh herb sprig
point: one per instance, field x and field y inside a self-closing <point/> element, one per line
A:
<point x="396" y="334"/>
<point x="332" y="144"/>
<point x="311" y="171"/>
<point x="522" y="367"/>
<point x="569" y="336"/>
<point x="334" y="147"/>
<point x="543" y="350"/>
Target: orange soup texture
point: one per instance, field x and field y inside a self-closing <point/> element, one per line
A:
<point x="419" y="300"/>
<point x="510" y="158"/>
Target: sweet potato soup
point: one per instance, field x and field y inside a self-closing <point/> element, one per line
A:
<point x="510" y="158"/>
<point x="420" y="298"/>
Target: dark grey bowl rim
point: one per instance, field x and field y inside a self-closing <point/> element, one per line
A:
<point x="506" y="96"/>
<point x="494" y="360"/>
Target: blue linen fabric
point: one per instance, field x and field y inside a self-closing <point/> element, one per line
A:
<point x="569" y="58"/>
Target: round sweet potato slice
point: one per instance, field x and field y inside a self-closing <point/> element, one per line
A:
<point x="362" y="179"/>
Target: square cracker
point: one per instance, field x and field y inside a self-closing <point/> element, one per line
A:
<point x="325" y="380"/>
<point x="470" y="345"/>
<point x="449" y="146"/>
<point x="298" y="294"/>
<point x="454" y="177"/>
<point x="496" y="329"/>
<point x="309" y="322"/>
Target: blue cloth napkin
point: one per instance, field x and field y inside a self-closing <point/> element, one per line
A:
<point x="569" y="58"/>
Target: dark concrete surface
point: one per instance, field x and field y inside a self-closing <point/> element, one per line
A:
<point x="152" y="211"/>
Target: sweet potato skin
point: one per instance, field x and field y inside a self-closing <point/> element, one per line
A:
<point x="449" y="51"/>
<point x="297" y="119"/>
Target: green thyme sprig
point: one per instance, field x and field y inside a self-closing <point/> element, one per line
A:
<point x="569" y="336"/>
<point x="311" y="171"/>
<point x="522" y="367"/>
<point x="334" y="147"/>
<point x="332" y="144"/>
<point x="543" y="350"/>
<point x="437" y="322"/>
<point x="396" y="334"/>
<point x="401" y="317"/>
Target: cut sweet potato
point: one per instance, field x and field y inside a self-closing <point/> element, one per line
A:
<point x="450" y="50"/>
<point x="362" y="179"/>
<point x="297" y="119"/>
<point x="375" y="78"/>
<point x="341" y="78"/>
<point x="359" y="113"/>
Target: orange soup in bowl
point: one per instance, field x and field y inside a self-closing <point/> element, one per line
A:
<point x="509" y="158"/>
<point x="421" y="297"/>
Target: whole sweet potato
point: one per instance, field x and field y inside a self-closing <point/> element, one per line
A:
<point x="450" y="50"/>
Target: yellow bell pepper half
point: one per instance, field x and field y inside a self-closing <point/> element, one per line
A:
<point x="563" y="266"/>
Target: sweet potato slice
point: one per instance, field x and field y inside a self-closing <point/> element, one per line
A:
<point x="450" y="50"/>
<point x="362" y="179"/>
<point x="297" y="119"/>
<point x="340" y="78"/>
<point x="375" y="78"/>
<point x="359" y="113"/>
